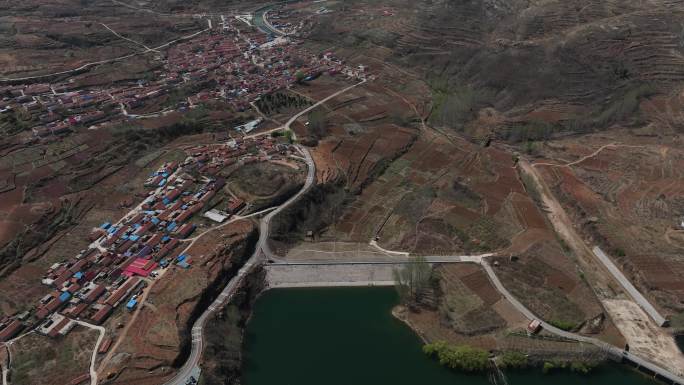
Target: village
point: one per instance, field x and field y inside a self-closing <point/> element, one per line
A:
<point x="234" y="63"/>
<point x="126" y="255"/>
<point x="244" y="63"/>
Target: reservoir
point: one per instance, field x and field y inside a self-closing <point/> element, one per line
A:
<point x="344" y="336"/>
<point x="679" y="340"/>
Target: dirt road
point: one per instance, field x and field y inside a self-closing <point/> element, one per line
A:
<point x="634" y="325"/>
<point x="102" y="331"/>
<point x="564" y="227"/>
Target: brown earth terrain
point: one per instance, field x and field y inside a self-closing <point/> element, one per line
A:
<point x="47" y="37"/>
<point x="422" y="159"/>
<point x="63" y="189"/>
<point x="156" y="338"/>
<point x="42" y="361"/>
<point x="471" y="311"/>
<point x="627" y="195"/>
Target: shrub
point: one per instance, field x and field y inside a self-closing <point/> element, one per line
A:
<point x="513" y="360"/>
<point x="563" y="325"/>
<point x="581" y="367"/>
<point x="548" y="366"/>
<point x="463" y="357"/>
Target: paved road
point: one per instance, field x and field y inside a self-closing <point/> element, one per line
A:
<point x="627" y="285"/>
<point x="262" y="249"/>
<point x="265" y="225"/>
<point x="260" y="20"/>
<point x="613" y="350"/>
<point x="389" y="260"/>
<point x="374" y="243"/>
<point x="287" y="125"/>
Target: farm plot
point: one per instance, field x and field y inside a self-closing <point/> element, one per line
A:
<point x="547" y="282"/>
<point x="627" y="197"/>
<point x="436" y="198"/>
<point x="466" y="314"/>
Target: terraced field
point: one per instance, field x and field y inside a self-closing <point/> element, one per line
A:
<point x="628" y="197"/>
<point x="576" y="65"/>
<point x="39" y="38"/>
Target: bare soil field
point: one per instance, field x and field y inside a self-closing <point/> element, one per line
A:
<point x="442" y="194"/>
<point x="642" y="335"/>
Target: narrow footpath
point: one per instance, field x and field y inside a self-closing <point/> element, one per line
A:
<point x="102" y="331"/>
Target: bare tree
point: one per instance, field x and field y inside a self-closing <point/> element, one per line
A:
<point x="412" y="280"/>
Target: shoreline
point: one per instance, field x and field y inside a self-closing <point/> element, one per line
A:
<point x="545" y="365"/>
<point x="537" y="363"/>
<point x="533" y="369"/>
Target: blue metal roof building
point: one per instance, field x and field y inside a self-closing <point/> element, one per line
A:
<point x="65" y="296"/>
<point x="131" y="304"/>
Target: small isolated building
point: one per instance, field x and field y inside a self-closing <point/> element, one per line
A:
<point x="534" y="326"/>
<point x="130" y="306"/>
<point x="215" y="216"/>
<point x="235" y="205"/>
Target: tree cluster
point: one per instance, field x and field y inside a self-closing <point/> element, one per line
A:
<point x="275" y="103"/>
<point x="513" y="360"/>
<point x="412" y="280"/>
<point x="462" y="357"/>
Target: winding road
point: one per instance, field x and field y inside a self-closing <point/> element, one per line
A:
<point x="260" y="20"/>
<point x="93" y="358"/>
<point x="5" y="366"/>
<point x="611" y="349"/>
<point x="262" y="249"/>
<point x="287" y="125"/>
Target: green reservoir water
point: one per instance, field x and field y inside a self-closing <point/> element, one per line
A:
<point x="347" y="336"/>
